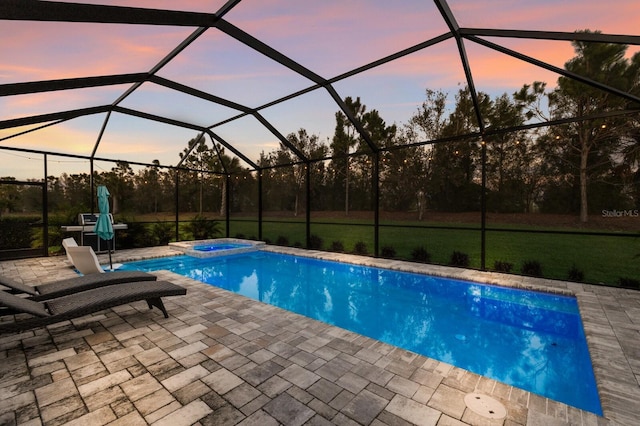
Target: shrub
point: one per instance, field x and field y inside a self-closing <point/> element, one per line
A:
<point x="629" y="282"/>
<point x="282" y="241"/>
<point x="575" y="274"/>
<point x="162" y="232"/>
<point x="420" y="254"/>
<point x="315" y="242"/>
<point x="240" y="236"/>
<point x="136" y="235"/>
<point x="15" y="232"/>
<point x="337" y="246"/>
<point x="502" y="266"/>
<point x="388" y="252"/>
<point x="360" y="248"/>
<point x="267" y="241"/>
<point x="459" y="259"/>
<point x="532" y="268"/>
<point x="202" y="228"/>
<point x="297" y="244"/>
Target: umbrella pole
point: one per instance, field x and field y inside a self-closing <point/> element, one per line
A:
<point x="109" y="250"/>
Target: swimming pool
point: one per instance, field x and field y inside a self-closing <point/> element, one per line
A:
<point x="531" y="340"/>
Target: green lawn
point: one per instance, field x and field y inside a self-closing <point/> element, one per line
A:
<point x="602" y="259"/>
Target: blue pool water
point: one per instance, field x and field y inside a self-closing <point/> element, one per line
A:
<point x="220" y="246"/>
<point x="534" y="341"/>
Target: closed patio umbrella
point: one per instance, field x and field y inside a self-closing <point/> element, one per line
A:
<point x="104" y="227"/>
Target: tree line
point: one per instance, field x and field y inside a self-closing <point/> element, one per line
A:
<point x="434" y="161"/>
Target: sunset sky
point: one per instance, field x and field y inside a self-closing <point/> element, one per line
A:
<point x="329" y="37"/>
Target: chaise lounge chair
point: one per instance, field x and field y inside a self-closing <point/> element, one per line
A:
<point x="85" y="260"/>
<point x="39" y="314"/>
<point x="69" y="242"/>
<point x="73" y="285"/>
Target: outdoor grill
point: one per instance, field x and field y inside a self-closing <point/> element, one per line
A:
<point x="87" y="222"/>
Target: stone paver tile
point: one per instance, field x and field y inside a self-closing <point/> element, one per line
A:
<point x="98" y="338"/>
<point x="426" y="378"/>
<point x="46" y="369"/>
<point x="104" y="383"/>
<point x="324" y="390"/>
<point x="448" y="400"/>
<point x="101" y="416"/>
<point x="182" y="333"/>
<point x="112" y="396"/>
<point x="319" y="420"/>
<point x="190" y="392"/>
<point x="226" y="415"/>
<point x="88" y="373"/>
<point x="368" y="355"/>
<point x="352" y="382"/>
<point x="185" y="377"/>
<point x="15" y="402"/>
<point x="119" y="354"/>
<point x="242" y="395"/>
<point x="299" y="376"/>
<point x="9" y="419"/>
<point x="222" y="381"/>
<point x="52" y="357"/>
<point x="288" y="410"/>
<point x="55" y="392"/>
<point x="259" y="418"/>
<point x="81" y="360"/>
<point x="151" y="356"/>
<point x="132" y="419"/>
<point x="63" y="411"/>
<point x="412" y="411"/>
<point x="261" y="373"/>
<point x="260" y="356"/>
<point x="130" y="334"/>
<point x="164" y="411"/>
<point x="342" y="420"/>
<point x="403" y="386"/>
<point x="154" y="402"/>
<point x="364" y="407"/>
<point x="218" y="352"/>
<point x="341" y="400"/>
<point x="187" y="350"/>
<point x="322" y="409"/>
<point x="185" y="416"/>
<point x="450" y="421"/>
<point x="140" y="386"/>
<point x="373" y="373"/>
<point x="274" y="386"/>
<point x="423" y="394"/>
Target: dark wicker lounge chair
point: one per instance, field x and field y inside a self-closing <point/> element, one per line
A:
<point x="75" y="284"/>
<point x="31" y="314"/>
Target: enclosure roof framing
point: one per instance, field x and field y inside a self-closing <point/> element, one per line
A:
<point x="225" y="28"/>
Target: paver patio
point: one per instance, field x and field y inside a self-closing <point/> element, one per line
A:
<point x="223" y="359"/>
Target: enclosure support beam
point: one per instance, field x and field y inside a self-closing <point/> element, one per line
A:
<point x="45" y="211"/>
<point x="260" y="205"/>
<point x="227" y="198"/>
<point x="376" y="201"/>
<point x="483" y="209"/>
<point x="307" y="169"/>
<point x="177" y="192"/>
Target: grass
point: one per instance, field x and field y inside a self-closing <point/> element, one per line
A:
<point x="602" y="259"/>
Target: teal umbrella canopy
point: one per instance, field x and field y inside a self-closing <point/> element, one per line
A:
<point x="104" y="227"/>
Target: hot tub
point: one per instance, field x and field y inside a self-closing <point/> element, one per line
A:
<point x="216" y="247"/>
